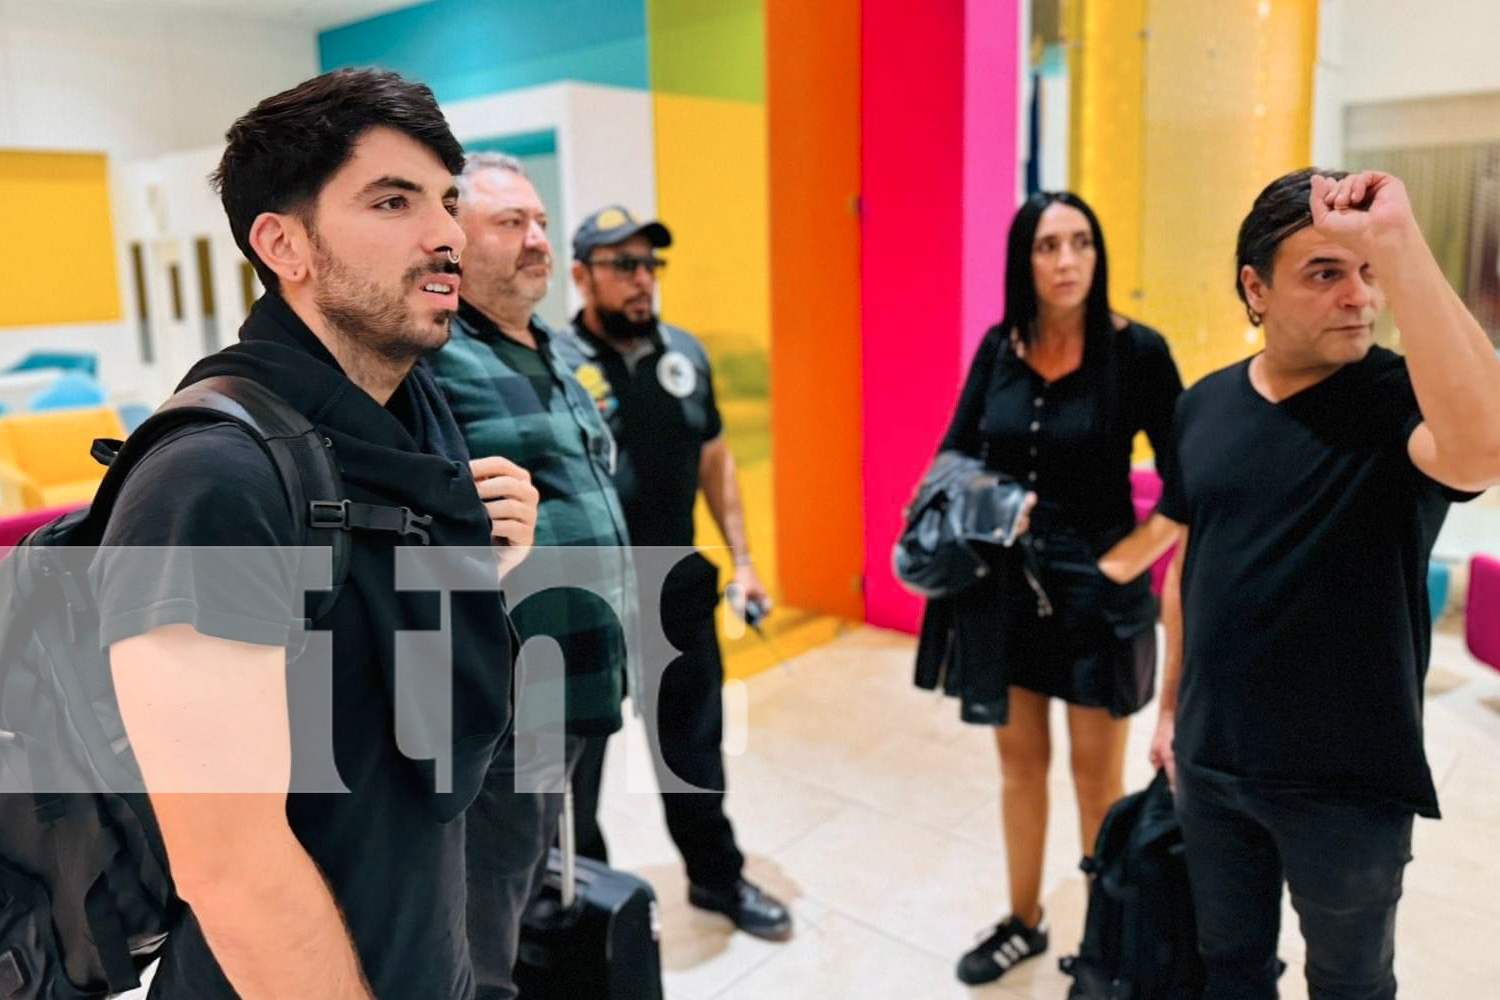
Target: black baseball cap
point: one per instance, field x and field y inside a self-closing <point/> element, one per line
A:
<point x="614" y="224"/>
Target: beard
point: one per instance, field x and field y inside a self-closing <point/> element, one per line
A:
<point x="374" y="317"/>
<point x="516" y="286"/>
<point x="620" y="327"/>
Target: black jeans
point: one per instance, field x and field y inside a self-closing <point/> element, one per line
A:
<point x="507" y="835"/>
<point x="689" y="728"/>
<point x="1342" y="861"/>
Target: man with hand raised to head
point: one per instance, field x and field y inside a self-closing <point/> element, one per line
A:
<point x="1310" y="485"/>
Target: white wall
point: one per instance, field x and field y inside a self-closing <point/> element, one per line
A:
<point x="1393" y="71"/>
<point x="1380" y="52"/>
<point x="1399" y="49"/>
<point x="1329" y="87"/>
<point x="136" y="85"/>
<point x="165" y="204"/>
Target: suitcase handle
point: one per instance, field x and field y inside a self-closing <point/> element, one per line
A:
<point x="567" y="842"/>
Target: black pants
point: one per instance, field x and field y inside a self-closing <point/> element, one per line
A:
<point x="1342" y="861"/>
<point x="689" y="729"/>
<point x="507" y="835"/>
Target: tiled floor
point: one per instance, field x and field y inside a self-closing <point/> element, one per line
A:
<point x="868" y="806"/>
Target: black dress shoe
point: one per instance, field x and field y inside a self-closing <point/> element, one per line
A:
<point x="752" y="910"/>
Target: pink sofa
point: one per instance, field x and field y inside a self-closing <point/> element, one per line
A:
<point x="1482" y="618"/>
<point x="1145" y="491"/>
<point x="18" y="526"/>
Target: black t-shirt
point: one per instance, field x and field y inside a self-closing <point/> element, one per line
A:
<point x="660" y="406"/>
<point x="1070" y="440"/>
<point x="1307" y="626"/>
<point x="395" y="871"/>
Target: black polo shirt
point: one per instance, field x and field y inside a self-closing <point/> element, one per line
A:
<point x="659" y="402"/>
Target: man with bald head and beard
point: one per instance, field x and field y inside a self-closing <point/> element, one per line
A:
<point x="512" y="398"/>
<point x="653" y="384"/>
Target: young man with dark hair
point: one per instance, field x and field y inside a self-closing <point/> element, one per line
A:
<point x="1310" y="484"/>
<point x="512" y="397"/>
<point x="340" y="192"/>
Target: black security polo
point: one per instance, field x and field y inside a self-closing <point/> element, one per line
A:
<point x="659" y="402"/>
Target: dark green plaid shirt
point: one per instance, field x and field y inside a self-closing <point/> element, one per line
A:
<point x="519" y="403"/>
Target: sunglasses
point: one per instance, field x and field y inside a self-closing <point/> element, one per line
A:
<point x="625" y="266"/>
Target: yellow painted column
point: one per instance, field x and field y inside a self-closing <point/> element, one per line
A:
<point x="1107" y="67"/>
<point x="1182" y="112"/>
<point x="1228" y="110"/>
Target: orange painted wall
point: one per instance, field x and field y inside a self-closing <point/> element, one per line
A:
<point x="813" y="116"/>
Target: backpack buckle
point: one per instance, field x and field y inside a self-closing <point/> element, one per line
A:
<point x="415" y="524"/>
<point x="331" y="514"/>
<point x="346" y="515"/>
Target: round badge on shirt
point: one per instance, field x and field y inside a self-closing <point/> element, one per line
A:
<point x="676" y="374"/>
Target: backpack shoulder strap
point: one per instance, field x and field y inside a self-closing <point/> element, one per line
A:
<point x="303" y="459"/>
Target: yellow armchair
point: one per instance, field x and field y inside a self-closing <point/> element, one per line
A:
<point x="44" y="457"/>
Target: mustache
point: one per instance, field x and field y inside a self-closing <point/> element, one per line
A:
<point x="433" y="267"/>
<point x="532" y="257"/>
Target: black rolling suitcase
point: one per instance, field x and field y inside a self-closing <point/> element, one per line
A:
<point x="592" y="935"/>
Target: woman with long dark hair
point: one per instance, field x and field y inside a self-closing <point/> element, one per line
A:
<point x="1054" y="399"/>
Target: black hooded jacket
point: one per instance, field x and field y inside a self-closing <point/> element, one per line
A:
<point x="391" y="846"/>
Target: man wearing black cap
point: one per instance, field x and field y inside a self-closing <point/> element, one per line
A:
<point x="653" y="384"/>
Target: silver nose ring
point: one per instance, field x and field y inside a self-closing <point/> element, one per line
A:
<point x="452" y="256"/>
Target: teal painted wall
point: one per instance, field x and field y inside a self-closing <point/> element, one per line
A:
<point x="470" y="48"/>
<point x="516" y="143"/>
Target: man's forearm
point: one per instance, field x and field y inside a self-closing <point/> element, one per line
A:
<point x="1454" y="368"/>
<point x="261" y="902"/>
<point x="1138" y="551"/>
<point x="275" y="930"/>
<point x="721" y="489"/>
<point x="1171" y="619"/>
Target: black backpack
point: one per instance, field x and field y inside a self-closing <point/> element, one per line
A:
<point x="86" y="898"/>
<point x="1140" y="940"/>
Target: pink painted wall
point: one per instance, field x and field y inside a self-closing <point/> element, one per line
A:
<point x="938" y="159"/>
<point x="911" y="236"/>
<point x="991" y="159"/>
